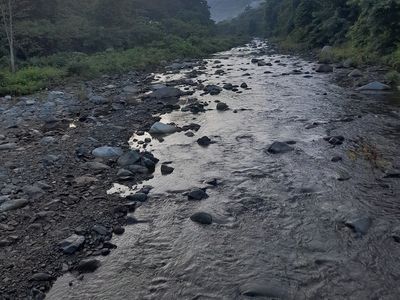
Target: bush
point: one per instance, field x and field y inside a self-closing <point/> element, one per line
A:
<point x="393" y="77"/>
<point x="29" y="80"/>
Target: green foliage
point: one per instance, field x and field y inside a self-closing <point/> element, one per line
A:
<point x="393" y="77"/>
<point x="364" y="30"/>
<point x="29" y="80"/>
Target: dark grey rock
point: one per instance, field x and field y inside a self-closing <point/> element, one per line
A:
<point x="374" y="86"/>
<point x="72" y="244"/>
<point x="244" y="85"/>
<point x="197" y="194"/>
<point x="88" y="265"/>
<point x="166" y="92"/>
<point x="204" y="141"/>
<point x="41" y="277"/>
<point x="128" y="158"/>
<point x="336" y="159"/>
<point x="138" y="197"/>
<point x="221" y="106"/>
<point x="212" y="89"/>
<point x="107" y="152"/>
<point x="100" y="229"/>
<point x="202" y="218"/>
<point x="279" y="148"/>
<point x="118" y="230"/>
<point x="161" y="128"/>
<point x="166" y="170"/>
<point x="266" y="289"/>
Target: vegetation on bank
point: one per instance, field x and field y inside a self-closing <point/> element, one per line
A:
<point x="54" y="41"/>
<point x="367" y="31"/>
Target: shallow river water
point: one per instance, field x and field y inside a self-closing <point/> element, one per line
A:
<point x="279" y="220"/>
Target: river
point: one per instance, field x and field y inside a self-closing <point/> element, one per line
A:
<point x="283" y="224"/>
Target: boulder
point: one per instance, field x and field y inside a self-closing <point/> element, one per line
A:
<point x="41" y="277"/>
<point x="374" y="86"/>
<point x="128" y="158"/>
<point x="72" y="244"/>
<point x="355" y="73"/>
<point x="98" y="99"/>
<point x="202" y="218"/>
<point x="161" y="128"/>
<point x="212" y="89"/>
<point x="107" y="152"/>
<point x="204" y="141"/>
<point x="360" y="225"/>
<point x="166" y="170"/>
<point x="197" y="194"/>
<point x="335" y="140"/>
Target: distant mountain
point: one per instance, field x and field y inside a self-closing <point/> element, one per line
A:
<point x="227" y="9"/>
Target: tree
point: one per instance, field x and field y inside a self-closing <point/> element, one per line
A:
<point x="7" y="15"/>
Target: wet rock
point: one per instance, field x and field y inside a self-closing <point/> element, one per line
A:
<point x="202" y="218"/>
<point x="118" y="230"/>
<point x="72" y="244"/>
<point x="324" y="68"/>
<point x="335" y="140"/>
<point x="266" y="289"/>
<point x="47" y="140"/>
<point x="221" y="106"/>
<point x="41" y="277"/>
<point x="343" y="176"/>
<point x="166" y="92"/>
<point x="13" y="204"/>
<point x="166" y="170"/>
<point x="204" y="141"/>
<point x="392" y="175"/>
<point x="189" y="134"/>
<point x="161" y="128"/>
<point x="138" y="197"/>
<point x="279" y="148"/>
<point x="138" y="169"/>
<point x="5" y="243"/>
<point x="244" y="85"/>
<point x="88" y="265"/>
<point x="197" y="194"/>
<point x="336" y="159"/>
<point x="228" y="86"/>
<point x="374" y="86"/>
<point x="124" y="174"/>
<point x="128" y="158"/>
<point x="212" y="89"/>
<point x="131" y="220"/>
<point x="107" y="152"/>
<point x="192" y="126"/>
<point x="360" y="226"/>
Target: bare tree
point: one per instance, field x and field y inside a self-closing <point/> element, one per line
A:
<point x="7" y="14"/>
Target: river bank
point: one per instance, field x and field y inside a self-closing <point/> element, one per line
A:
<point x="312" y="209"/>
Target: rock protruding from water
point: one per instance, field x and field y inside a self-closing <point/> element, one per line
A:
<point x="265" y="289"/>
<point x="128" y="158"/>
<point x="162" y="128"/>
<point x="374" y="86"/>
<point x="360" y="225"/>
<point x="212" y="89"/>
<point x="336" y="140"/>
<point x="221" y="106"/>
<point x="88" y="265"/>
<point x="202" y="218"/>
<point x="197" y="194"/>
<point x="166" y="170"/>
<point x="279" y="148"/>
<point x="204" y="141"/>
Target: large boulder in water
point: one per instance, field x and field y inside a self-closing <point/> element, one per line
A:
<point x="202" y="218"/>
<point x="374" y="86"/>
<point x="162" y="128"/>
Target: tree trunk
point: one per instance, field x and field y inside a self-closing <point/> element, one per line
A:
<point x="11" y="41"/>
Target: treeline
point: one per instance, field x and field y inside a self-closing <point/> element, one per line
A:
<point x="56" y="39"/>
<point x="367" y="28"/>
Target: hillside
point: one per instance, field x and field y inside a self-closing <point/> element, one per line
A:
<point x="227" y="9"/>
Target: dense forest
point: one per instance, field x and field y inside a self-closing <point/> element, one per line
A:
<point x="229" y="9"/>
<point x="57" y="39"/>
<point x="367" y="30"/>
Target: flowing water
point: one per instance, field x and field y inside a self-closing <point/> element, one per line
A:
<point x="279" y="220"/>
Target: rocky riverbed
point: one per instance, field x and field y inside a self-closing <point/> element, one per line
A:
<point x="251" y="174"/>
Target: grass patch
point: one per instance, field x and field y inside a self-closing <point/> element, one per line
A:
<point x="42" y="72"/>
